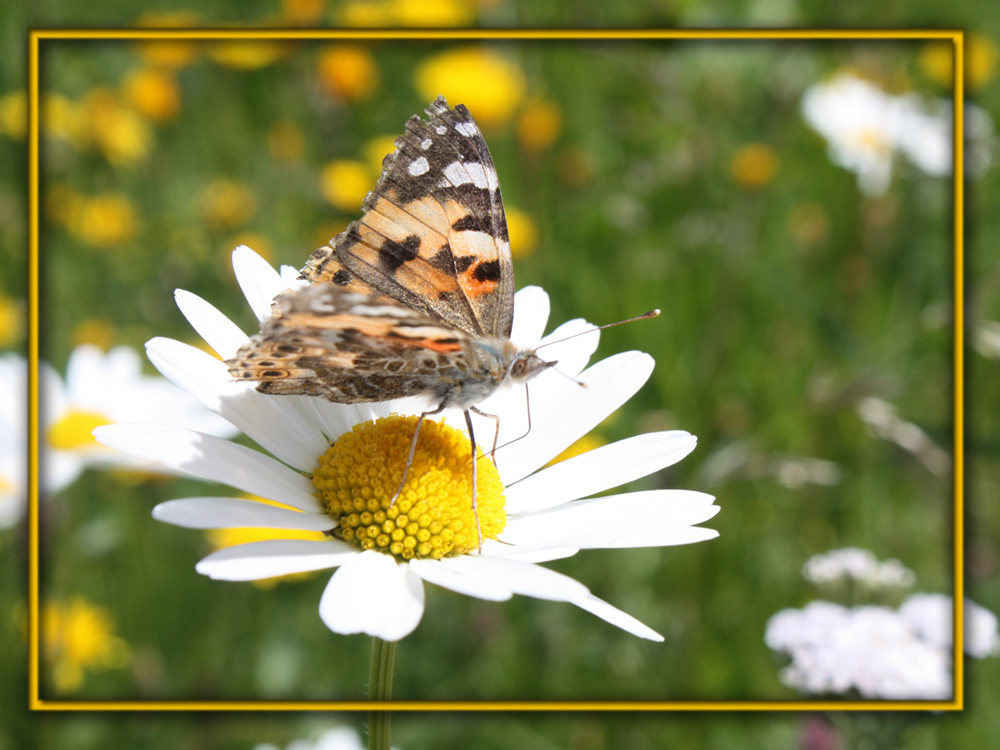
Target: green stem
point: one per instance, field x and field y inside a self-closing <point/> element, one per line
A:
<point x="380" y="689"/>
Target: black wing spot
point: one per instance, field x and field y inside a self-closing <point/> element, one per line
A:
<point x="342" y="277"/>
<point x="272" y="373"/>
<point x="463" y="262"/>
<point x="443" y="260"/>
<point x="394" y="254"/>
<point x="487" y="271"/>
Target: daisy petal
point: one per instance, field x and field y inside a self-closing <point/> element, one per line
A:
<point x="599" y="470"/>
<point x="372" y="594"/>
<point x="274" y="557"/>
<point x="519" y="577"/>
<point x="616" y="617"/>
<point x="214" y="459"/>
<point x="440" y="573"/>
<point x="268" y="420"/>
<point x="570" y="413"/>
<point x="218" y="331"/>
<point x="531" y="313"/>
<point x="258" y="280"/>
<point x="656" y="518"/>
<point x="526" y="553"/>
<point x="232" y="513"/>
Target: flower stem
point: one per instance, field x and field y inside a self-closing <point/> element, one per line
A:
<point x="380" y="689"/>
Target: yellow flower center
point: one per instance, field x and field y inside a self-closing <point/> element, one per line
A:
<point x="73" y="430"/>
<point x="432" y="517"/>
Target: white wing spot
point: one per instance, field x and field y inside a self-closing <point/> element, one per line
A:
<point x="440" y="130"/>
<point x="467" y="129"/>
<point x="471" y="172"/>
<point x="418" y="167"/>
<point x="426" y="144"/>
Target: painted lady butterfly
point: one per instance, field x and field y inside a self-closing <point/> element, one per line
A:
<point x="414" y="298"/>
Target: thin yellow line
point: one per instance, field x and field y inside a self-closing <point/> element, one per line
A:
<point x="35" y="703"/>
<point x="958" y="130"/>
<point x="473" y="34"/>
<point x="497" y="705"/>
<point x="33" y="479"/>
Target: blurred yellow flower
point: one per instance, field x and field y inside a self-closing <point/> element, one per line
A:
<point x="429" y="13"/>
<point x="523" y="233"/>
<point x="162" y="53"/>
<point x="78" y="636"/>
<point x="981" y="58"/>
<point x="11" y="320"/>
<point x="433" y="14"/>
<point x="14" y="114"/>
<point x="365" y="14"/>
<point x="489" y="85"/>
<point x="347" y="71"/>
<point x="154" y="93"/>
<point x="62" y="118"/>
<point x="226" y="204"/>
<point x="222" y="538"/>
<point x="103" y="220"/>
<point x="62" y="203"/>
<point x="247" y="54"/>
<point x="376" y="149"/>
<point x="285" y="141"/>
<point x="97" y="331"/>
<point x="345" y="183"/>
<point x="121" y="133"/>
<point x="539" y="125"/>
<point x="753" y="165"/>
<point x="302" y="12"/>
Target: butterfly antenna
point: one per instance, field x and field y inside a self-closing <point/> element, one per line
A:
<point x="650" y="314"/>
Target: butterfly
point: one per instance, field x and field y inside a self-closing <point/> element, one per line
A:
<point x="415" y="298"/>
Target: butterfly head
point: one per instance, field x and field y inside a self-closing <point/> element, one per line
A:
<point x="526" y="365"/>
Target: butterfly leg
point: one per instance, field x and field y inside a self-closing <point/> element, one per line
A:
<point x="413" y="449"/>
<point x="475" y="476"/>
<point x="496" y="434"/>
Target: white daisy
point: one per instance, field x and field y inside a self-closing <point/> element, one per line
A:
<point x="373" y="591"/>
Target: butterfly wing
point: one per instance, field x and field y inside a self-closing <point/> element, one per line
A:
<point x="433" y="234"/>
<point x="323" y="340"/>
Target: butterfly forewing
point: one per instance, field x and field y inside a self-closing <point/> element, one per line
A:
<point x="433" y="235"/>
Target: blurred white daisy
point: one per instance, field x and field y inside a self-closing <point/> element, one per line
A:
<point x="99" y="388"/>
<point x="872" y="650"/>
<point x="331" y="466"/>
<point x="338" y="738"/>
<point x="857" y="565"/>
<point x="857" y="119"/>
<point x="931" y="616"/>
<point x="879" y="652"/>
<point x="865" y="127"/>
<point x="13" y="439"/>
<point x="107" y="388"/>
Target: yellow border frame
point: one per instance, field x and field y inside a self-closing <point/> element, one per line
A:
<point x="36" y="36"/>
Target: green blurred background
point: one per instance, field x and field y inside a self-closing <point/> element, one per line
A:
<point x="678" y="175"/>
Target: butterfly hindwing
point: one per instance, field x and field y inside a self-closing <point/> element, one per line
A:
<point x="433" y="234"/>
<point x="347" y="347"/>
